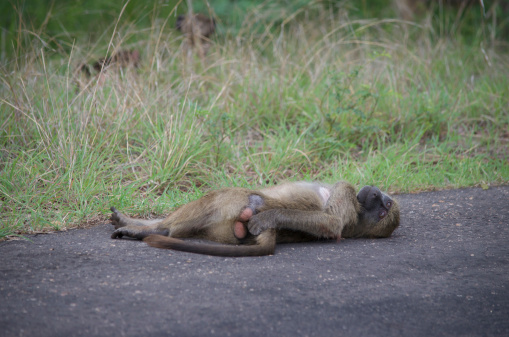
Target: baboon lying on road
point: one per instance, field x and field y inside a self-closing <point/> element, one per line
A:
<point x="254" y="220"/>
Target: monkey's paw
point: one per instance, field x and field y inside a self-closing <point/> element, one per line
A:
<point x="118" y="219"/>
<point x="137" y="232"/>
<point x="260" y="222"/>
<point x="120" y="232"/>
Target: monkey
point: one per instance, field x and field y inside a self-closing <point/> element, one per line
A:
<point x="121" y="59"/>
<point x="82" y="76"/>
<point x="198" y="29"/>
<point x="408" y="9"/>
<point x="250" y="222"/>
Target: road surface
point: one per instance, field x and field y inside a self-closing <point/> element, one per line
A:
<point x="444" y="272"/>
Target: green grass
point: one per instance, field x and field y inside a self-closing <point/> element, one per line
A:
<point x="316" y="96"/>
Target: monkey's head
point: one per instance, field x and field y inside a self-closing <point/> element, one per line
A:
<point x="197" y="24"/>
<point x="379" y="215"/>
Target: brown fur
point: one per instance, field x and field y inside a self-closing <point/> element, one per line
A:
<point x="122" y="59"/>
<point x="409" y="9"/>
<point x="198" y="29"/>
<point x="291" y="212"/>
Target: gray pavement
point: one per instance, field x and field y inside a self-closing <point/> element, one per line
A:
<point x="445" y="272"/>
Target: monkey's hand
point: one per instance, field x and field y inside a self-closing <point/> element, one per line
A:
<point x="262" y="221"/>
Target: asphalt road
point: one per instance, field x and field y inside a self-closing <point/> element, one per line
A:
<point x="445" y="272"/>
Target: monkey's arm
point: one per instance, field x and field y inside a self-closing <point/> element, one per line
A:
<point x="317" y="223"/>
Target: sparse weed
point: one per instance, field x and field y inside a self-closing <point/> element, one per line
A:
<point x="313" y="94"/>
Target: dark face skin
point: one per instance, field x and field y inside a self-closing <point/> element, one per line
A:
<point x="375" y="203"/>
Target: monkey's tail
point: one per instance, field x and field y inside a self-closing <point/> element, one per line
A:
<point x="265" y="245"/>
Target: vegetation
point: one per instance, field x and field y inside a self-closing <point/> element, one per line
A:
<point x="315" y="90"/>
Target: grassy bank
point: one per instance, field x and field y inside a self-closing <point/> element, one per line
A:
<point x="315" y="95"/>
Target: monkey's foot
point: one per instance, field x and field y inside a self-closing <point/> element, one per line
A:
<point x="119" y="220"/>
<point x="137" y="232"/>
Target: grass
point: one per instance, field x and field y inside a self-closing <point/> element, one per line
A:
<point x="317" y="95"/>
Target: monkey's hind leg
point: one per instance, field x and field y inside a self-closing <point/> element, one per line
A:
<point x="120" y="220"/>
<point x="134" y="228"/>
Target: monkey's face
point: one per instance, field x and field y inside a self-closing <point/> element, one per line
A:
<point x="376" y="204"/>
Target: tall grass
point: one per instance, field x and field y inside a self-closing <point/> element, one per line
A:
<point x="313" y="95"/>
